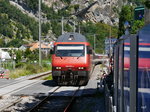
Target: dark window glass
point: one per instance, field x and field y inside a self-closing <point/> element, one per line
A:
<point x="70" y="50"/>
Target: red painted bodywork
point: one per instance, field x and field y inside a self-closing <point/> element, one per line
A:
<point x="72" y="63"/>
<point x="142" y="62"/>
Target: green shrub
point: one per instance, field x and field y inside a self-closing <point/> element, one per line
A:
<point x="20" y="65"/>
<point x="32" y="68"/>
<point x="18" y="72"/>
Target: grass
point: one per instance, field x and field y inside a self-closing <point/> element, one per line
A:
<point x="48" y="78"/>
<point x="102" y="65"/>
<point x="18" y="72"/>
<point x="28" y="69"/>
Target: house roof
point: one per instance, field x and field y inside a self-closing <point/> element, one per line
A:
<point x="36" y="46"/>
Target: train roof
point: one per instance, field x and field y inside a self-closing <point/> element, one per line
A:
<point x="71" y="37"/>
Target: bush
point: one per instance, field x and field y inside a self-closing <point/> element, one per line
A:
<point x="28" y="69"/>
<point x="32" y="68"/>
<point x="20" y="65"/>
<point x="18" y="72"/>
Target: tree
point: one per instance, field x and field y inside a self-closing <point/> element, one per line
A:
<point x="2" y="43"/>
<point x="100" y="30"/>
<point x="147" y="4"/>
<point x="56" y="28"/>
<point x="126" y="14"/>
<point x="32" y="4"/>
<point x="11" y="13"/>
<point x="19" y="55"/>
<point x="15" y="43"/>
<point x="45" y="27"/>
<point x="31" y="55"/>
<point x="67" y="1"/>
<point x="138" y="24"/>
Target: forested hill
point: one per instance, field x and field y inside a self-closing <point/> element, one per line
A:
<point x="17" y="27"/>
<point x="135" y="1"/>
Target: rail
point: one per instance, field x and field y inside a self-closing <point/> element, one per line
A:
<point x="11" y="103"/>
<point x="65" y="107"/>
<point x="42" y="101"/>
<point x="40" y="75"/>
<point x="30" y="77"/>
<point x="8" y="89"/>
<point x="68" y="107"/>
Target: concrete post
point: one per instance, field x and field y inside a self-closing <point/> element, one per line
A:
<point x="40" y="56"/>
<point x="147" y="16"/>
<point x="62" y="25"/>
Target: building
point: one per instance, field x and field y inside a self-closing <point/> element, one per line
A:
<point x="45" y="47"/>
<point x="4" y="55"/>
<point x="109" y="43"/>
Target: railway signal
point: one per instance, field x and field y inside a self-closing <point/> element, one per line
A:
<point x="139" y="13"/>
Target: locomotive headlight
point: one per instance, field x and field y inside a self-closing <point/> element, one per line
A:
<point x="81" y="68"/>
<point x="58" y="68"/>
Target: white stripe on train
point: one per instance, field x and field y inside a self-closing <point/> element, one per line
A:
<point x="140" y="48"/>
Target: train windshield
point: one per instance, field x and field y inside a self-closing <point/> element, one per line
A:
<point x="70" y="50"/>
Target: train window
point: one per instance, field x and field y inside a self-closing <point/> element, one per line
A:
<point x="52" y="50"/>
<point x="70" y="50"/>
<point x="89" y="50"/>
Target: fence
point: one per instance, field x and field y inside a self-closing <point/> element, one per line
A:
<point x="8" y="64"/>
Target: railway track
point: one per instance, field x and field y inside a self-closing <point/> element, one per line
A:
<point x="55" y="102"/>
<point x="70" y="103"/>
<point x="15" y="86"/>
<point x="31" y="77"/>
<point x="21" y="83"/>
<point x="58" y="95"/>
<point x="36" y="76"/>
<point x="8" y="102"/>
<point x="43" y="101"/>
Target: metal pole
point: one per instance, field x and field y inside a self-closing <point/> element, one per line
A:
<point x="110" y="49"/>
<point x="0" y="63"/>
<point x="62" y="25"/>
<point x="94" y="41"/>
<point x="79" y="27"/>
<point x="74" y="27"/>
<point x="110" y="35"/>
<point x="121" y="76"/>
<point x="40" y="33"/>
<point x="147" y="16"/>
<point x="116" y="73"/>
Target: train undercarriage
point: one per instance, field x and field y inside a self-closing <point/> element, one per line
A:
<point x="71" y="78"/>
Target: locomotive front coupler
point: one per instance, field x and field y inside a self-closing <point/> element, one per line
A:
<point x="70" y="74"/>
<point x="63" y="77"/>
<point x="75" y="77"/>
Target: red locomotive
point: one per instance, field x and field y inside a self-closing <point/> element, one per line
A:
<point x="71" y="60"/>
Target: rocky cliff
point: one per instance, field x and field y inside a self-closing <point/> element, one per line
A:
<point x="105" y="11"/>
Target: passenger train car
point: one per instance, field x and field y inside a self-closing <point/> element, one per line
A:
<point x="132" y="53"/>
<point x="71" y="60"/>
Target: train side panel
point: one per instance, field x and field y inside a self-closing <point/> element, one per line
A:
<point x="122" y="80"/>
